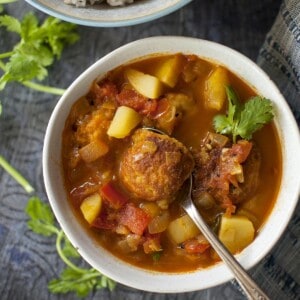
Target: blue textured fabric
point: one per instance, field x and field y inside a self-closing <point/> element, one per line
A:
<point x="280" y="53"/>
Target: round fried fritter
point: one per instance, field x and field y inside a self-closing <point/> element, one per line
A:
<point x="251" y="169"/>
<point x="155" y="166"/>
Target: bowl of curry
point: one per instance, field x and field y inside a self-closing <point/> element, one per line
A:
<point x="115" y="184"/>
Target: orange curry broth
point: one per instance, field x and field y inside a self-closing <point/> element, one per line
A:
<point x="190" y="131"/>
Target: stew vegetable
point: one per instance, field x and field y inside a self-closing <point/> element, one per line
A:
<point x="125" y="182"/>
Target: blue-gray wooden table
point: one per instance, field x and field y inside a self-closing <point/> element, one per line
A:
<point x="28" y="261"/>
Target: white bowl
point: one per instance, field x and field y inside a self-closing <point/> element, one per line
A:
<point x="103" y="15"/>
<point x="163" y="282"/>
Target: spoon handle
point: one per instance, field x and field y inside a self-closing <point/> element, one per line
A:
<point x="247" y="284"/>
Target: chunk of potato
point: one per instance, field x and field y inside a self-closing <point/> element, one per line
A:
<point x="147" y="85"/>
<point x="236" y="232"/>
<point x="93" y="150"/>
<point x="159" y="223"/>
<point x="182" y="229"/>
<point x="91" y="207"/>
<point x="169" y="70"/>
<point x="215" y="92"/>
<point x="151" y="208"/>
<point x="125" y="119"/>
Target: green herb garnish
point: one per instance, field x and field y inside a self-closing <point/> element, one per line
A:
<point x="73" y="278"/>
<point x="243" y="119"/>
<point x="156" y="256"/>
<point x="42" y="221"/>
<point x="39" y="46"/>
<point x="15" y="174"/>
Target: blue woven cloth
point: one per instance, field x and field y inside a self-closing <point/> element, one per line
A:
<point x="280" y="53"/>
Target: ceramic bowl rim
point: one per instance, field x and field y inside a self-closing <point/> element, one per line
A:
<point x="94" y="23"/>
<point x="182" y="282"/>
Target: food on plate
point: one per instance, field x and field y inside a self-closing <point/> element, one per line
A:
<point x="125" y="180"/>
<point x="83" y="3"/>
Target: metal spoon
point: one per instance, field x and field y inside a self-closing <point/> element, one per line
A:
<point x="247" y="284"/>
<point x="250" y="288"/>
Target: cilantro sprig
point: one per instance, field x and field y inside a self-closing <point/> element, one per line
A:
<point x="42" y="221"/>
<point x="243" y="119"/>
<point x="72" y="278"/>
<point x="16" y="175"/>
<point x="27" y="62"/>
<point x="37" y="49"/>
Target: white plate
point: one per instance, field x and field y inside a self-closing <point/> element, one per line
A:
<point x="103" y="15"/>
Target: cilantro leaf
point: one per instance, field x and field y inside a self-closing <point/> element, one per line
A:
<point x="39" y="46"/>
<point x="225" y="124"/>
<point x="22" y="68"/>
<point x="41" y="217"/>
<point x="57" y="34"/>
<point x="69" y="250"/>
<point x="234" y="106"/>
<point x="105" y="282"/>
<point x="72" y="279"/>
<point x="81" y="283"/>
<point x="222" y="124"/>
<point x="257" y="112"/>
<point x="10" y="23"/>
<point x="41" y="54"/>
<point x="243" y="119"/>
<point x="29" y="25"/>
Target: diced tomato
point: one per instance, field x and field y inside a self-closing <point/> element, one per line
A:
<point x="162" y="107"/>
<point x="102" y="91"/>
<point x="241" y="150"/>
<point x="228" y="205"/>
<point x="138" y="102"/>
<point x="115" y="198"/>
<point x="195" y="247"/>
<point x="225" y="174"/>
<point x="152" y="243"/>
<point x="134" y="218"/>
<point x="106" y="220"/>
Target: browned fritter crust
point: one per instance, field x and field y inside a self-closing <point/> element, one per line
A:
<point x="207" y="163"/>
<point x="155" y="166"/>
<point x="251" y="173"/>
